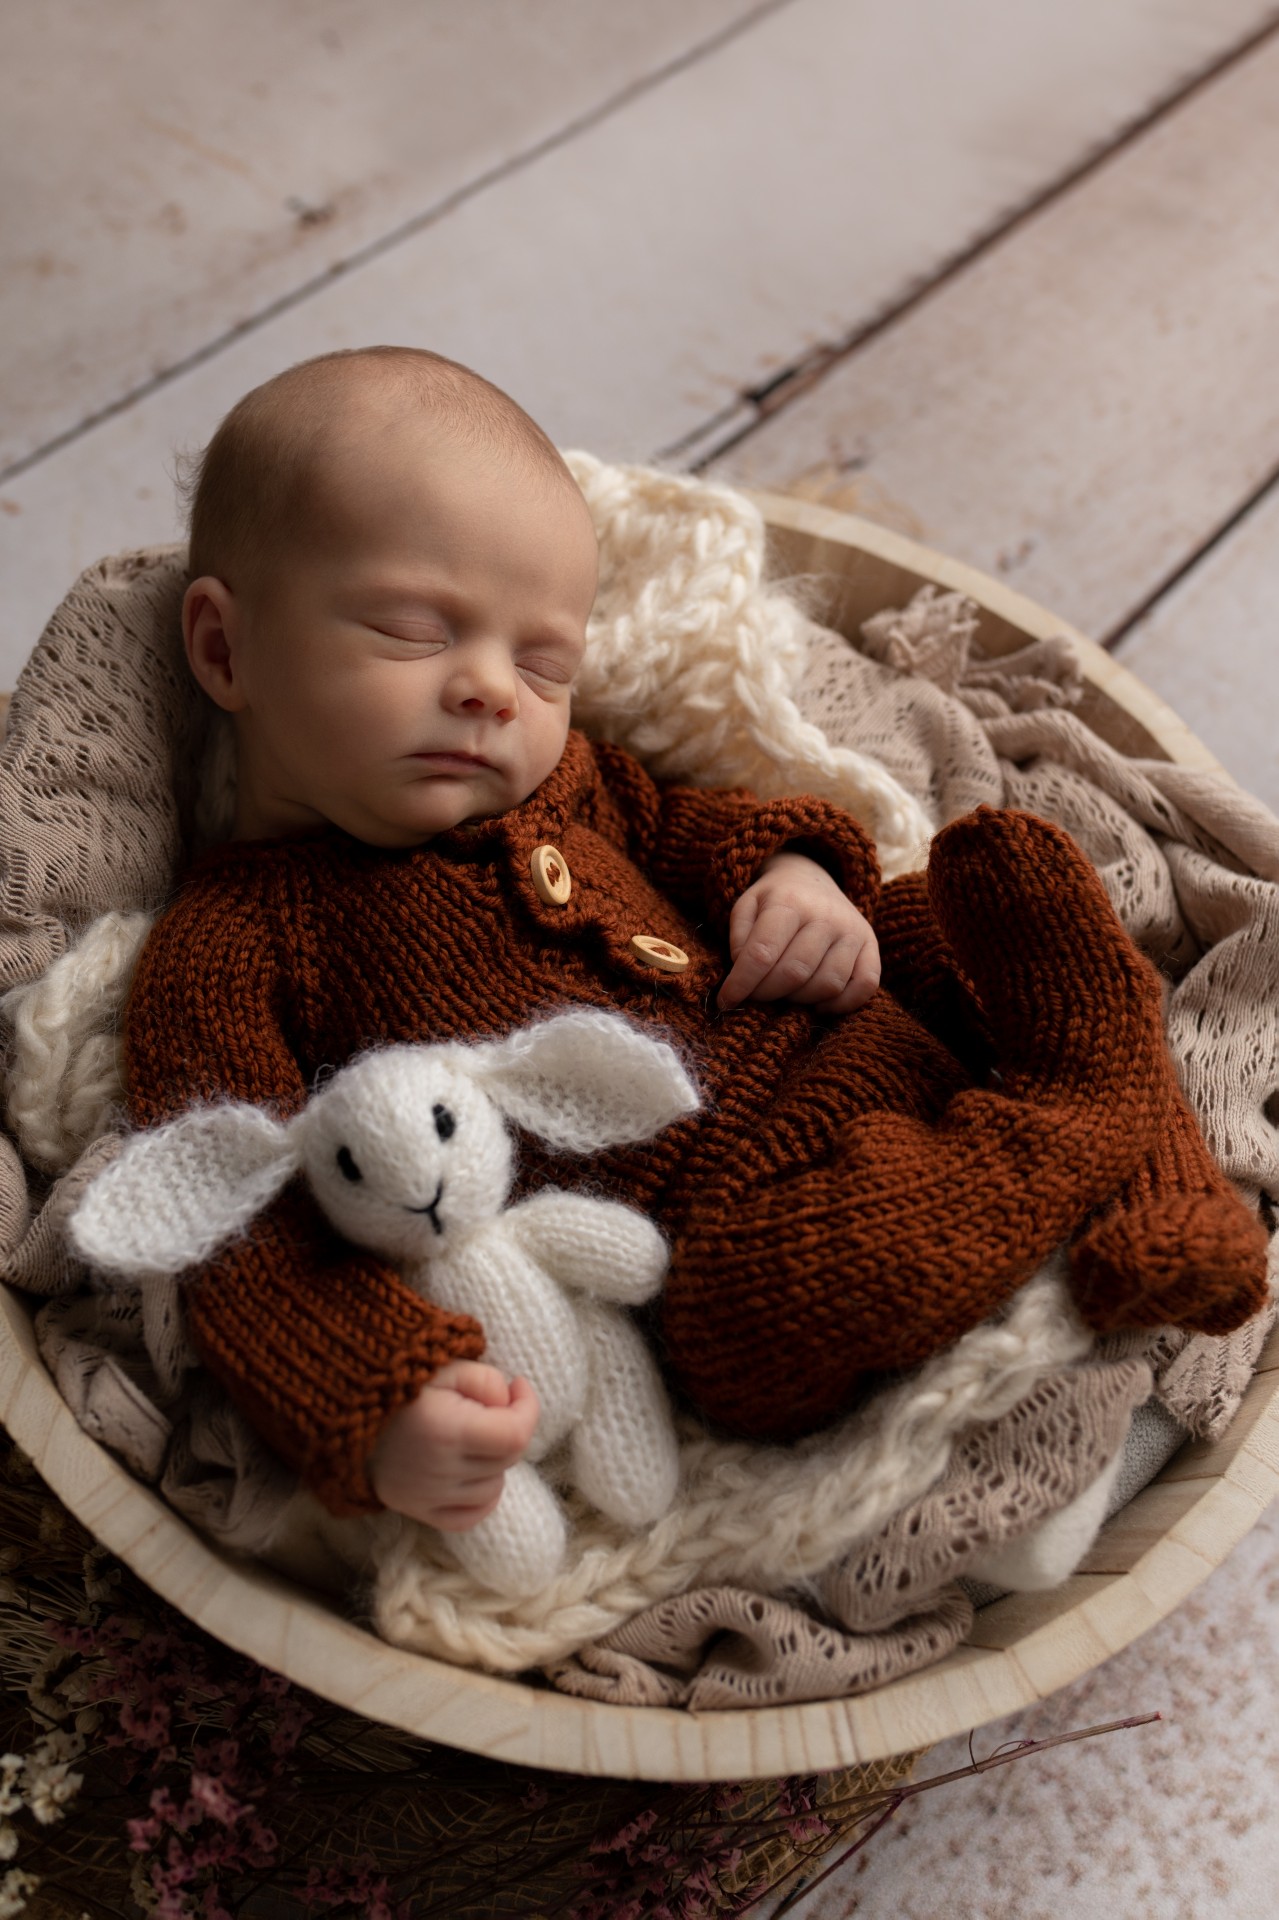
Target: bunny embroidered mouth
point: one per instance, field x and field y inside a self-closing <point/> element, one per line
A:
<point x="430" y="1208"/>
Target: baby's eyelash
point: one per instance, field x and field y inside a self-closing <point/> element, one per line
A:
<point x="553" y="670"/>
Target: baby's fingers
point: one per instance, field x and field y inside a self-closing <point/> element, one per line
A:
<point x="500" y="1435"/>
<point x="475" y="1380"/>
<point x="850" y="982"/>
<point x="792" y="973"/>
<point x="478" y="1502"/>
<point x="768" y="935"/>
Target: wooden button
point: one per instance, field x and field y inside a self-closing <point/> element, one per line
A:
<point x="658" y="953"/>
<point x="551" y="877"/>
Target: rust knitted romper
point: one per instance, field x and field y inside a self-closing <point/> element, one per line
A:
<point x="848" y="1200"/>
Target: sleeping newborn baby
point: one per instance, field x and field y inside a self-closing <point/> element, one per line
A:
<point x="392" y="573"/>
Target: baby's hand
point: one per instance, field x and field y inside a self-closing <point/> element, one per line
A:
<point x="441" y="1459"/>
<point x="795" y="935"/>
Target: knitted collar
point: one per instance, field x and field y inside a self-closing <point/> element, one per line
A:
<point x="542" y="816"/>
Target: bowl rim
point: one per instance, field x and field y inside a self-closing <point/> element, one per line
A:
<point x="1022" y="1648"/>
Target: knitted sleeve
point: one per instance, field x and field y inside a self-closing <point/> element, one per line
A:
<point x="318" y="1345"/>
<point x="703" y="847"/>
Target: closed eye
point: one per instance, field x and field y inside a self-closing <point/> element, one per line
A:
<point x="412" y="634"/>
<point x="556" y="672"/>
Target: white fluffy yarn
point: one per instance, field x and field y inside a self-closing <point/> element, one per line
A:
<point x="766" y="1518"/>
<point x="64" y="1076"/>
<point x="694" y="661"/>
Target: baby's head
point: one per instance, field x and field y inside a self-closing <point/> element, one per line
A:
<point x="392" y="573"/>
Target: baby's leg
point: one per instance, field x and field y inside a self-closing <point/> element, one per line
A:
<point x="919" y="968"/>
<point x="790" y="1280"/>
<point x="1174" y="1244"/>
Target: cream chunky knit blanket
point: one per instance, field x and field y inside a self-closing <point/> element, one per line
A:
<point x="707" y="673"/>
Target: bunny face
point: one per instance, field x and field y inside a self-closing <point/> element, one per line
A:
<point x="405" y="1153"/>
<point x="406" y="1150"/>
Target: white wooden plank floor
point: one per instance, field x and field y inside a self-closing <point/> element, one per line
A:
<point x="1080" y="409"/>
<point x="1209" y="646"/>
<point x="252" y="149"/>
<point x="1025" y="259"/>
<point x="629" y="284"/>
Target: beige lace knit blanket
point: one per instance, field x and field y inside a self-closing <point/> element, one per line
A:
<point x="707" y="673"/>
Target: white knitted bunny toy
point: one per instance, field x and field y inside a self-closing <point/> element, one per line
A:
<point x="407" y="1151"/>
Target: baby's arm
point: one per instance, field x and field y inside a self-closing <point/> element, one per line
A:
<point x="760" y="873"/>
<point x="441" y="1459"/>
<point x="317" y="1344"/>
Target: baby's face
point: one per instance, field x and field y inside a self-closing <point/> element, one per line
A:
<point x="408" y="662"/>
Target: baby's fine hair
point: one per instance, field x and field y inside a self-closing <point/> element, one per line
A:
<point x="242" y="491"/>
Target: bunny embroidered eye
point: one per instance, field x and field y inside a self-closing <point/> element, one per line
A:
<point x="445" y="1124"/>
<point x="346" y="1165"/>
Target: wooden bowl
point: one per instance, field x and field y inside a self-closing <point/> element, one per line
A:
<point x="1021" y="1648"/>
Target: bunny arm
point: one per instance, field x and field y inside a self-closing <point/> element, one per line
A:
<point x="293" y="1322"/>
<point x="599" y="1247"/>
<point x="624" y="1456"/>
<point x="520" y="1546"/>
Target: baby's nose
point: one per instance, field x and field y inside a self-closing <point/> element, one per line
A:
<point x="486" y="682"/>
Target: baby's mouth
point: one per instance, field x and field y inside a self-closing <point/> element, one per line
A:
<point x="453" y="762"/>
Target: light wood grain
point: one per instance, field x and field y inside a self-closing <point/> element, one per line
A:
<point x="1076" y="412"/>
<point x="629" y="285"/>
<point x="1211" y="648"/>
<point x="1143" y="1564"/>
<point x="173" y="169"/>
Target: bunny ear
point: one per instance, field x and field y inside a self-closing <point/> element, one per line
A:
<point x="177" y="1192"/>
<point x="584" y="1080"/>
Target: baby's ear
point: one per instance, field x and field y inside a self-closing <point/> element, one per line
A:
<point x="177" y="1192"/>
<point x="584" y="1080"/>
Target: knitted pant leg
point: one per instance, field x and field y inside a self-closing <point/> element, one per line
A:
<point x="920" y="969"/>
<point x="787" y="1288"/>
<point x="1173" y="1244"/>
<point x="789" y="1282"/>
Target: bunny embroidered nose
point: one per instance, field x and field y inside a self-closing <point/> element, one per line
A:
<point x="430" y="1208"/>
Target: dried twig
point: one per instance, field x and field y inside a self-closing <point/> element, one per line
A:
<point x="881" y="1807"/>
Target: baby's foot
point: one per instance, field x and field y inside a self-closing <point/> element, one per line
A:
<point x="1073" y="1009"/>
<point x="1176" y="1247"/>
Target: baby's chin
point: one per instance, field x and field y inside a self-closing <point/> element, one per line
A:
<point x="413" y="818"/>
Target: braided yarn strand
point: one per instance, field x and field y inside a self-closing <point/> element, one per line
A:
<point x="64" y="1072"/>
<point x="765" y="1517"/>
<point x="694" y="661"/>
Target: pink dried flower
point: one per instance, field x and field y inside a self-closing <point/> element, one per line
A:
<point x="212" y="1796"/>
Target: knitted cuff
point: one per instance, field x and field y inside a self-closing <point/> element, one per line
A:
<point x="831" y="836"/>
<point x="319" y="1353"/>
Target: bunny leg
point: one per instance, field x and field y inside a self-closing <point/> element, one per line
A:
<point x="520" y="1547"/>
<point x="624" y="1455"/>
